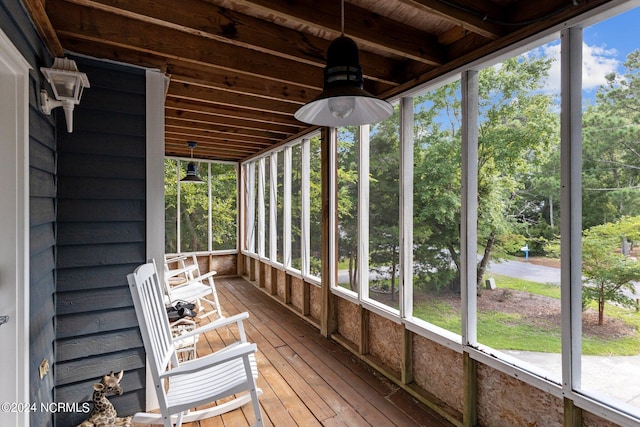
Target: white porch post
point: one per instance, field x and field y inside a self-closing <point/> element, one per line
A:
<point x="155" y="89"/>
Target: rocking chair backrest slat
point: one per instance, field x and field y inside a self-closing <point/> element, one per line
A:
<point x="147" y="294"/>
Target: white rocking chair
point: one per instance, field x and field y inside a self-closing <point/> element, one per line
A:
<point x="195" y="288"/>
<point x="180" y="387"/>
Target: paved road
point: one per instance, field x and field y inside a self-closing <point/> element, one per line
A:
<point x="536" y="273"/>
<point x="526" y="271"/>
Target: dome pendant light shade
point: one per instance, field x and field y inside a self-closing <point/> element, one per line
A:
<point x="191" y="175"/>
<point x="343" y="102"/>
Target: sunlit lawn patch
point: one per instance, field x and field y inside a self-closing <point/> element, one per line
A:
<point x="513" y="330"/>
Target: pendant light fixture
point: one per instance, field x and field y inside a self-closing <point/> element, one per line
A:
<point x="343" y="101"/>
<point x="191" y="167"/>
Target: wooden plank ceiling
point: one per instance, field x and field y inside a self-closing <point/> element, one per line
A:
<point x="239" y="69"/>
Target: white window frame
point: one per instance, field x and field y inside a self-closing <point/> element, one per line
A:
<point x="273" y="207"/>
<point x="260" y="176"/>
<point x="570" y="385"/>
<point x="261" y="209"/>
<point x="249" y="211"/>
<point x="180" y="160"/>
<point x="305" y="214"/>
<point x="286" y="208"/>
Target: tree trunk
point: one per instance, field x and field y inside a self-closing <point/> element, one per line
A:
<point x="485" y="259"/>
<point x="454" y="285"/>
<point x="353" y="271"/>
<point x="393" y="277"/>
<point x="600" y="310"/>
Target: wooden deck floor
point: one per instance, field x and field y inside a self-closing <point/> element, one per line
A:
<point x="306" y="379"/>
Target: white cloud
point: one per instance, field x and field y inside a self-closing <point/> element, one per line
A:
<point x="597" y="62"/>
<point x="553" y="51"/>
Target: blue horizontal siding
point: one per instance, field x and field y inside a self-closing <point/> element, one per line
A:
<point x="100" y="237"/>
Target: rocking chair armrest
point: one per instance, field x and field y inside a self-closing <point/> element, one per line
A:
<point x="207" y="275"/>
<point x="224" y="355"/>
<point x="197" y="279"/>
<point x="178" y="271"/>
<point x="176" y="258"/>
<point x="218" y="323"/>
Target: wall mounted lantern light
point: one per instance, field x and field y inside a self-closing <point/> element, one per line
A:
<point x="191" y="175"/>
<point x="343" y="101"/>
<point x="67" y="84"/>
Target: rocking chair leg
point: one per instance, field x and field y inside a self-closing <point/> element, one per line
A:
<point x="256" y="407"/>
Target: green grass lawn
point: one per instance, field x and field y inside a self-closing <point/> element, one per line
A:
<point x="507" y="331"/>
<point x="544" y="289"/>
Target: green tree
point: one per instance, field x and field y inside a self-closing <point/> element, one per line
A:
<point x="607" y="272"/>
<point x="437" y="187"/>
<point x="518" y="128"/>
<point x="517" y="131"/>
<point x="193" y="212"/>
<point x="611" y="148"/>
<point x="384" y="203"/>
<point x="223" y="206"/>
<point x="170" y="205"/>
<point x="194" y="208"/>
<point x="315" y="214"/>
<point x="348" y="152"/>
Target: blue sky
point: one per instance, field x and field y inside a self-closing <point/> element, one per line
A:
<point x="621" y="33"/>
<point x="605" y="48"/>
<point x="607" y="45"/>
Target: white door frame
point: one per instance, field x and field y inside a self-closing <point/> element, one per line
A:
<point x="14" y="232"/>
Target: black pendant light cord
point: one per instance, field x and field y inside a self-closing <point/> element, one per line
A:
<point x="342" y="17"/>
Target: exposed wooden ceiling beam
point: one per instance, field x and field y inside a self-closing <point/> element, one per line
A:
<point x="262" y="88"/>
<point x="226" y="111"/>
<point x="365" y="27"/>
<point x="199" y="135"/>
<point x="283" y="130"/>
<point x="178" y="146"/>
<point x="154" y="36"/>
<point x="199" y="74"/>
<point x="175" y="149"/>
<point x="43" y="26"/>
<point x="464" y="16"/>
<point x="118" y="32"/>
<point x="524" y="13"/>
<point x="184" y="127"/>
<point x="222" y="25"/>
<point x="215" y="96"/>
<point x="180" y="123"/>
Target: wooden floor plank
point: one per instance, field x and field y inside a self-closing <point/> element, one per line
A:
<point x="307" y="380"/>
<point x="390" y="410"/>
<point x="329" y="394"/>
<point x="334" y="373"/>
<point x="305" y="405"/>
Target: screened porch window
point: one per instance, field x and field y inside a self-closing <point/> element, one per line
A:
<point x="200" y="217"/>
